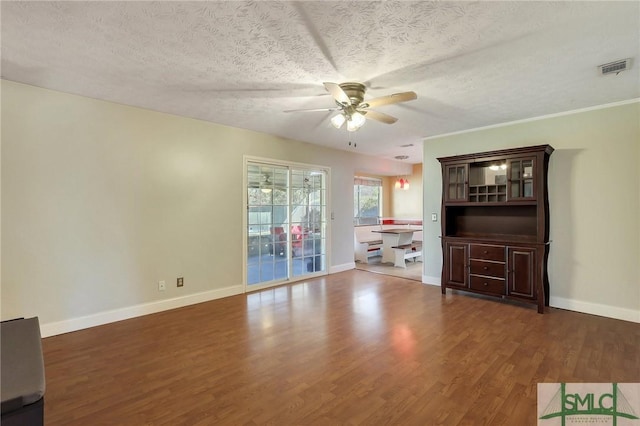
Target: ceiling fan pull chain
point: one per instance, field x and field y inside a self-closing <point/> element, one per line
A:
<point x="350" y="134"/>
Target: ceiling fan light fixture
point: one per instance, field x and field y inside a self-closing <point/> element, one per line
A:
<point x="338" y="120"/>
<point x="355" y="121"/>
<point x="358" y="119"/>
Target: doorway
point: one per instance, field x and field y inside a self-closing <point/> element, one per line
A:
<point x="286" y="224"/>
<point x="400" y="204"/>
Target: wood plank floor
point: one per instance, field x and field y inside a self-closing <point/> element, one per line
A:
<point x="413" y="271"/>
<point x="347" y="349"/>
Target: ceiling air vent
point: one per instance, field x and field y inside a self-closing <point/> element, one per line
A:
<point x="615" y="67"/>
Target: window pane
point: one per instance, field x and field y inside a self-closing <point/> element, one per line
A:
<point x="515" y="189"/>
<point x="452" y="191"/>
<point x="528" y="188"/>
<point x="280" y="196"/>
<point x="515" y="170"/>
<point x="367" y="201"/>
<point x="452" y="175"/>
<point x="280" y="215"/>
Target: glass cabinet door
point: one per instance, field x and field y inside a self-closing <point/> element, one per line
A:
<point x="521" y="179"/>
<point x="456" y="184"/>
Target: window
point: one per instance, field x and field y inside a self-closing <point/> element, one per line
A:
<point x="367" y="201"/>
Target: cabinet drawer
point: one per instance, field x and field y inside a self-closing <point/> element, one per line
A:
<point x="485" y="252"/>
<point x="491" y="269"/>
<point x="489" y="285"/>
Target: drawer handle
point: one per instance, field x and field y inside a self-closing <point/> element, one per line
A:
<point x="485" y="284"/>
<point x="485" y="252"/>
<point x="485" y="268"/>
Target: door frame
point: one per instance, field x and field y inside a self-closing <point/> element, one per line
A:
<point x="245" y="237"/>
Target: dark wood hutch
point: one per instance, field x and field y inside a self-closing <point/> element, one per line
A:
<point x="495" y="223"/>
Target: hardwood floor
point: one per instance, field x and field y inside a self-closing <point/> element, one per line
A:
<point x="413" y="271"/>
<point x="350" y="348"/>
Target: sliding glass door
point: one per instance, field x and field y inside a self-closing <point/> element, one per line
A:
<point x="286" y="223"/>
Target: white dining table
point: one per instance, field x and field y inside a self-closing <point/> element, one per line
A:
<point x="392" y="238"/>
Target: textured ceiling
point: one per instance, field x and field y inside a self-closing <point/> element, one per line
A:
<point x="242" y="64"/>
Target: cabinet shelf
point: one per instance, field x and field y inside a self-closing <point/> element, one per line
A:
<point x="491" y="220"/>
<point x="487" y="193"/>
<point x="487" y="189"/>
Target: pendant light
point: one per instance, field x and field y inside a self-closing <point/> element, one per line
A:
<point x="402" y="183"/>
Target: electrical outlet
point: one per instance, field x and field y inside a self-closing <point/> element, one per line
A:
<point x="180" y="282"/>
<point x="162" y="286"/>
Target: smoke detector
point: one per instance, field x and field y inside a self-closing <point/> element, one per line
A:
<point x="615" y="67"/>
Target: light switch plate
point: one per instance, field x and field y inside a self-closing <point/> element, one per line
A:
<point x="434" y="217"/>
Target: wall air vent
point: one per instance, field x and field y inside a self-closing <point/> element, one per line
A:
<point x="615" y="67"/>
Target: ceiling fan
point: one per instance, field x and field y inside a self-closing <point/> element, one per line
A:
<point x="354" y="110"/>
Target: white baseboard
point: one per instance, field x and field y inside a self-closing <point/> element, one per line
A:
<point x="101" y="318"/>
<point x="575" y="305"/>
<point x="426" y="279"/>
<point x="341" y="268"/>
<point x="595" y="309"/>
<point x="74" y="324"/>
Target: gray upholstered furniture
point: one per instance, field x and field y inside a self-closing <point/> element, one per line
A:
<point x="22" y="383"/>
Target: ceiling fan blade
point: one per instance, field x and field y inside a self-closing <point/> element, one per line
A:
<point x="378" y="116"/>
<point x="392" y="99"/>
<point x="337" y="93"/>
<point x="312" y="110"/>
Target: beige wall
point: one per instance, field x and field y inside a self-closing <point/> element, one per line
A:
<point x="407" y="204"/>
<point x="100" y="201"/>
<point x="594" y="187"/>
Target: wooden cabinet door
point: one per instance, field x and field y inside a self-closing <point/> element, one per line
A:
<point x="521" y="267"/>
<point x="456" y="263"/>
<point x="521" y="179"/>
<point x="456" y="182"/>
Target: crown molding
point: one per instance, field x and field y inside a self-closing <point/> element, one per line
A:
<point x="542" y="117"/>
